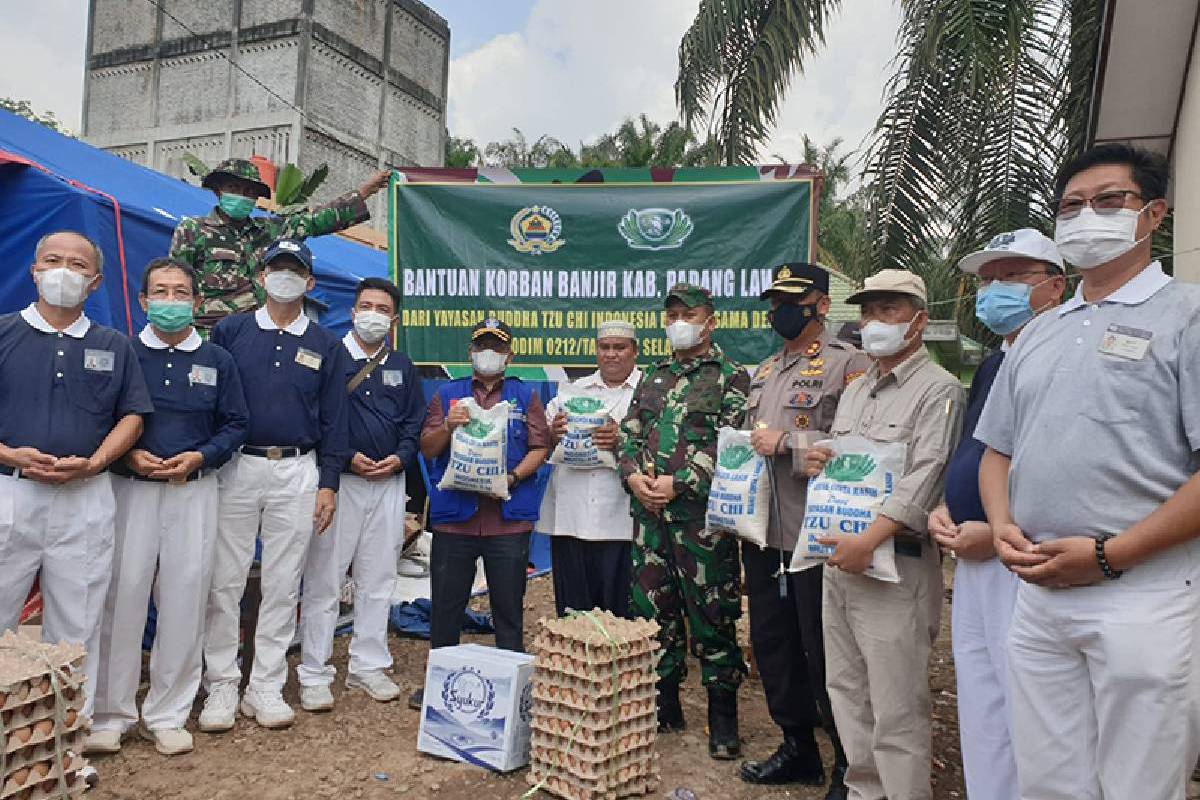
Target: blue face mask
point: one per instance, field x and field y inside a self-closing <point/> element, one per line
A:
<point x="1004" y="307"/>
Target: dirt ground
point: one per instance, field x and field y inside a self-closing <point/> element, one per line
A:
<point x="365" y="749"/>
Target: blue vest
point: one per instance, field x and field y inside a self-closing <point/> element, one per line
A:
<point x="456" y="506"/>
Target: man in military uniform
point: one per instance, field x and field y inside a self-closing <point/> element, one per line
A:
<point x="225" y="248"/>
<point x="793" y="397"/>
<point x="667" y="457"/>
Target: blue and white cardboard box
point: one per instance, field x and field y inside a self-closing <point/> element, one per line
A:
<point x="478" y="703"/>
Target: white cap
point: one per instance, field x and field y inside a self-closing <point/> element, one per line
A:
<point x="1024" y="243"/>
<point x="616" y="327"/>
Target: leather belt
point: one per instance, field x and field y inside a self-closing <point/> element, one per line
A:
<point x="275" y="453"/>
<point x="7" y="470"/>
<point x="192" y="476"/>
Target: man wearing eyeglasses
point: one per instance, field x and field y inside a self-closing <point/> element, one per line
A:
<point x="1089" y="483"/>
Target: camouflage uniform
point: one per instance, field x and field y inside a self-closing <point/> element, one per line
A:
<point x="678" y="569"/>
<point x="227" y="253"/>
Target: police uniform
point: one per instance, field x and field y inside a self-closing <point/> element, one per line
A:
<point x="226" y="253"/>
<point x="385" y="414"/>
<point x="165" y="533"/>
<point x="797" y="393"/>
<point x="294" y="381"/>
<point x="61" y="392"/>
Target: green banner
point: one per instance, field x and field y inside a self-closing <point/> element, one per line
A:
<point x="554" y="260"/>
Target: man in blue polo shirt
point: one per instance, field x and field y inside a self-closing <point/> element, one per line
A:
<point x="282" y="484"/>
<point x="71" y="400"/>
<point x="386" y="410"/>
<point x="166" y="499"/>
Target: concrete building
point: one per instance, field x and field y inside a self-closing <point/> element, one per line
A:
<point x="356" y="84"/>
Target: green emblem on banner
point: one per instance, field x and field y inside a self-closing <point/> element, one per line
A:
<point x="850" y="468"/>
<point x="536" y="230"/>
<point x="734" y="456"/>
<point x="583" y="405"/>
<point x="655" y="228"/>
<point x="477" y="428"/>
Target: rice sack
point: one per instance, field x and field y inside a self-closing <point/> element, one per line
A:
<point x="479" y="452"/>
<point x="846" y="498"/>
<point x="585" y="413"/>
<point x="740" y="496"/>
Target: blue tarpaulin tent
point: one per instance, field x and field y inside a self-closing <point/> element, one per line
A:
<point x="51" y="182"/>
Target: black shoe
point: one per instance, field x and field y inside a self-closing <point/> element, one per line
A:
<point x="793" y="762"/>
<point x="837" y="787"/>
<point x="416" y="700"/>
<point x="670" y="712"/>
<point x="723" y="742"/>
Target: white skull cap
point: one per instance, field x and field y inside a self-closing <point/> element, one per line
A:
<point x="616" y="327"/>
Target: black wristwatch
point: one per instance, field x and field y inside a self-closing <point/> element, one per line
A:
<point x="1109" y="573"/>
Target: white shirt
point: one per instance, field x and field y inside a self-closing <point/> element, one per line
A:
<point x="590" y="504"/>
<point x="296" y="327"/>
<point x="76" y="330"/>
<point x="151" y="339"/>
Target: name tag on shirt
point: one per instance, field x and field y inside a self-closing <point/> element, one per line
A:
<point x="202" y="376"/>
<point x="393" y="377"/>
<point x="99" y="360"/>
<point x="1128" y="343"/>
<point x="308" y="358"/>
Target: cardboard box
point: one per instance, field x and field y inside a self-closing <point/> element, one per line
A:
<point x="477" y="707"/>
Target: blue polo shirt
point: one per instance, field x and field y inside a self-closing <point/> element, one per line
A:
<point x="63" y="392"/>
<point x="197" y="394"/>
<point x="386" y="409"/>
<point x="294" y="382"/>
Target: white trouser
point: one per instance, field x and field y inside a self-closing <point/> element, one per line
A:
<point x="984" y="595"/>
<point x="171" y="529"/>
<point x="1105" y="684"/>
<point x="66" y="532"/>
<point x="370" y="518"/>
<point x="274" y="499"/>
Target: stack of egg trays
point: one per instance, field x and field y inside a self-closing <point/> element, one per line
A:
<point x="594" y="708"/>
<point x="34" y="766"/>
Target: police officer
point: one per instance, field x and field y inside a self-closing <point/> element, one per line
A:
<point x="386" y="410"/>
<point x="667" y="458"/>
<point x="166" y="520"/>
<point x="793" y="397"/>
<point x="281" y="485"/>
<point x="225" y="248"/>
<point x="71" y="400"/>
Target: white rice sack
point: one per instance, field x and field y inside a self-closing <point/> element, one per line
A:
<point x="740" y="496"/>
<point x="479" y="452"/>
<point x="585" y="412"/>
<point x="846" y="498"/>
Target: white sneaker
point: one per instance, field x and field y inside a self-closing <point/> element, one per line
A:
<point x="102" y="742"/>
<point x="168" y="741"/>
<point x="379" y="686"/>
<point x="316" y="698"/>
<point x="267" y="708"/>
<point x="220" y="708"/>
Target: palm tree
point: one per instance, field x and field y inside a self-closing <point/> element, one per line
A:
<point x="517" y="152"/>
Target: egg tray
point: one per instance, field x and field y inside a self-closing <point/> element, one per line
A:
<point x="44" y="750"/>
<point x="580" y="633"/>
<point x="34" y="786"/>
<point x="623" y="682"/>
<point x="603" y="653"/>
<point x="625" y="714"/>
<point x="569" y="787"/>
<point x="37" y="710"/>
<point x="589" y="697"/>
<point x="14" y="742"/>
<point x="593" y="751"/>
<point x="25" y="666"/>
<point x="604" y="774"/>
<point x="595" y="671"/>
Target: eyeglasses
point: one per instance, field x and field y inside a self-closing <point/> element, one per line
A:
<point x="1009" y="277"/>
<point x="1103" y="203"/>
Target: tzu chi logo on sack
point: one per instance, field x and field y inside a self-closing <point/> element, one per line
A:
<point x="655" y="228"/>
<point x="536" y="230"/>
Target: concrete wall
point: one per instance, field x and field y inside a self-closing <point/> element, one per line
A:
<point x="1186" y="180"/>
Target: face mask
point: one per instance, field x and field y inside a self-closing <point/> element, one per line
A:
<point x="789" y="321"/>
<point x="1090" y="239"/>
<point x="1004" y="307"/>
<point x="684" y="335"/>
<point x="488" y="362"/>
<point x="285" y="286"/>
<point x="62" y="287"/>
<point x="371" y="326"/>
<point x="169" y="316"/>
<point x="882" y="339"/>
<point x="236" y="205"/>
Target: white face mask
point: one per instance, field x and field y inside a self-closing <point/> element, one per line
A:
<point x="488" y="362"/>
<point x="284" y="286"/>
<point x="62" y="287"/>
<point x="684" y="335"/>
<point x="883" y="339"/>
<point x="1090" y="239"/>
<point x="371" y="326"/>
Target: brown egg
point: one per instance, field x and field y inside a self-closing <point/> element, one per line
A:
<point x="41" y="769"/>
<point x="3" y="698"/>
<point x="21" y="777"/>
<point x="23" y="734"/>
<point x="44" y="728"/>
<point x="22" y="692"/>
<point x="70" y="717"/>
<point x="40" y="686"/>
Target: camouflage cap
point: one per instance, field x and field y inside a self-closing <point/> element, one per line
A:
<point x="238" y="168"/>
<point x="690" y="295"/>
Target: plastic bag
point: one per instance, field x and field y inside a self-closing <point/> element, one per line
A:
<point x="739" y="500"/>
<point x="585" y="412"/>
<point x="846" y="498"/>
<point x="479" y="452"/>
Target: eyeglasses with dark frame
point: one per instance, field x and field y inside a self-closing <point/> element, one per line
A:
<point x="1104" y="203"/>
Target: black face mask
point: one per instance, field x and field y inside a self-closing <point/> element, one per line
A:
<point x="789" y="320"/>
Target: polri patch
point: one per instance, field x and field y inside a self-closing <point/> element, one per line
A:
<point x="1130" y="344"/>
<point x="202" y="375"/>
<point x="99" y="360"/>
<point x="308" y="358"/>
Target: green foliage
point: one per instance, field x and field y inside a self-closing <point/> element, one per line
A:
<point x="293" y="190"/>
<point x="462" y="153"/>
<point x="24" y="109"/>
<point x="517" y="153"/>
<point x="196" y="166"/>
<point x="850" y="467"/>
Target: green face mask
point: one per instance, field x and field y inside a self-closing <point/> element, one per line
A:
<point x="169" y="316"/>
<point x="236" y="205"/>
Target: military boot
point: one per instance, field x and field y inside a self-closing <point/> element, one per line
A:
<point x="723" y="742"/>
<point x="670" y="712"/>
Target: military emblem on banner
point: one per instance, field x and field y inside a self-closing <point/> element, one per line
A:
<point x="655" y="228"/>
<point x="536" y="230"/>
